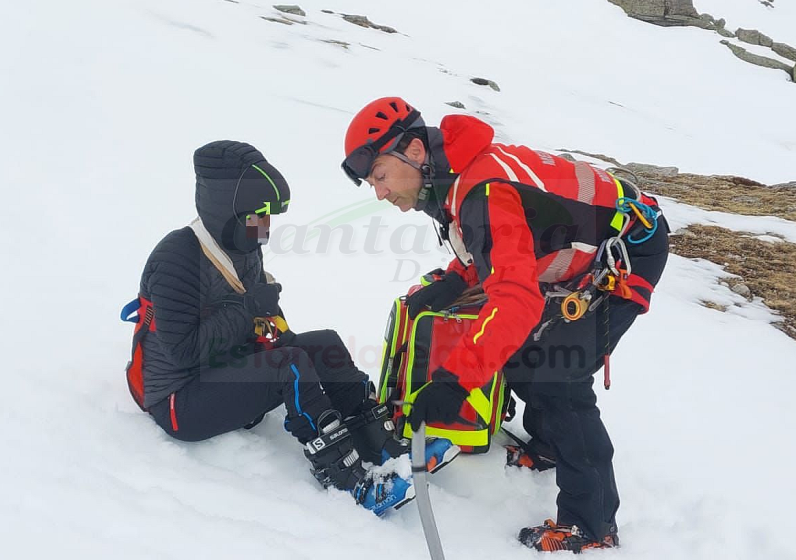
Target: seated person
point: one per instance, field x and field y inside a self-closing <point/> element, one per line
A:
<point x="204" y="369"/>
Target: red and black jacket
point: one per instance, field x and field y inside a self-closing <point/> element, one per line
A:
<point x="517" y="218"/>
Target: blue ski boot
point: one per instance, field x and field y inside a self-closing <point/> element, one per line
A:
<point x="336" y="463"/>
<point x="374" y="438"/>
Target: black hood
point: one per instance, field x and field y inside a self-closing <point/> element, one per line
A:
<point x="234" y="179"/>
<point x="440" y="175"/>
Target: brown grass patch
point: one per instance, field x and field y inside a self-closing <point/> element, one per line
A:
<point x="736" y="195"/>
<point x="768" y="269"/>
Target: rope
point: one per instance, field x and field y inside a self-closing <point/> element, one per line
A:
<point x="607" y="350"/>
<point x="645" y="213"/>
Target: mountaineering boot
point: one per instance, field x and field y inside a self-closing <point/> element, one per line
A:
<point x="551" y="538"/>
<point x="374" y="438"/>
<point x="336" y="463"/>
<point x="526" y="457"/>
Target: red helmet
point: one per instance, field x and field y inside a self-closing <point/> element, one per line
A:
<point x="377" y="129"/>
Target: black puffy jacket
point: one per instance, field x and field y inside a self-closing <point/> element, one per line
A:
<point x="198" y="317"/>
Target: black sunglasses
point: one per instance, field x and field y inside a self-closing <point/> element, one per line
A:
<point x="357" y="165"/>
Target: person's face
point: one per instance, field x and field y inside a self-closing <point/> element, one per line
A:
<point x="397" y="181"/>
<point x="258" y="227"/>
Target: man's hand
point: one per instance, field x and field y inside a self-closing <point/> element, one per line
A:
<point x="262" y="300"/>
<point x="438" y="401"/>
<point x="437" y="295"/>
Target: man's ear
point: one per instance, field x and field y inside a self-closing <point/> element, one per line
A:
<point x="416" y="151"/>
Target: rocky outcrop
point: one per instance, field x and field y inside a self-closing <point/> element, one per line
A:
<point x="485" y="82"/>
<point x="667" y="13"/>
<point x="290" y="9"/>
<point x="754" y="37"/>
<point x="363" y="21"/>
<point x="785" y="51"/>
<point x="758" y="60"/>
<point x="671" y="13"/>
<point x="645" y="169"/>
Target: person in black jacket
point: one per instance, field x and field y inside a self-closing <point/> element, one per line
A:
<point x="205" y="370"/>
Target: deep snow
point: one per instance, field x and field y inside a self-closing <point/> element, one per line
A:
<point x="102" y="105"/>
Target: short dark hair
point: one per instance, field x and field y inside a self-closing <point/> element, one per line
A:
<point x="408" y="137"/>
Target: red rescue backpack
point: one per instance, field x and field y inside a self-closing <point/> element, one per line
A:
<point x="145" y="322"/>
<point x="413" y="349"/>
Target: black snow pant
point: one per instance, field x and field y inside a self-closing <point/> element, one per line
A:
<point x="310" y="373"/>
<point x="554" y="377"/>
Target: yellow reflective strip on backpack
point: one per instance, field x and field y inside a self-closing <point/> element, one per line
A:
<point x="383" y="388"/>
<point x="481" y="404"/>
<point x="619" y="219"/>
<point x="498" y="386"/>
<point x="478" y="438"/>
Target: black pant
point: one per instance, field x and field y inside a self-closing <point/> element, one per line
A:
<point x="310" y="373"/>
<point x="554" y="377"/>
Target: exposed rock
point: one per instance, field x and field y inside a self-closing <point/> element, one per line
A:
<point x="741" y="181"/>
<point x="713" y="305"/>
<point x="791" y="185"/>
<point x="646" y="169"/>
<point x="485" y="82"/>
<point x="327" y="11"/>
<point x="283" y="21"/>
<point x="720" y="23"/>
<point x="754" y="37"/>
<point x="784" y="50"/>
<point x="456" y="104"/>
<point x="644" y="8"/>
<point x="793" y="74"/>
<point x="742" y="290"/>
<point x="602" y="157"/>
<point x="568" y="157"/>
<point x="363" y="21"/>
<point x="680" y="8"/>
<point x="758" y="60"/>
<point x="724" y="32"/>
<point x="336" y="43"/>
<point x="664" y="12"/>
<point x="290" y="9"/>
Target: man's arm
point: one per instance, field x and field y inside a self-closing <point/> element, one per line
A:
<point x="186" y="327"/>
<point x="497" y="235"/>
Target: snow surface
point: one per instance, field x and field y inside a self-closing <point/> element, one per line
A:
<point x="102" y="105"/>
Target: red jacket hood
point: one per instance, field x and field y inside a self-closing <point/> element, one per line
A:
<point x="464" y="138"/>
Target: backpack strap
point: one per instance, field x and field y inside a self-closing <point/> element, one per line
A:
<point x="145" y="323"/>
<point x="217" y="256"/>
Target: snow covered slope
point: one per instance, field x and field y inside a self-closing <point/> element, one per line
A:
<point x="102" y="104"/>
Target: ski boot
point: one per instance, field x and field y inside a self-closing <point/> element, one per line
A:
<point x="374" y="437"/>
<point x="336" y="463"/>
<point x="551" y="538"/>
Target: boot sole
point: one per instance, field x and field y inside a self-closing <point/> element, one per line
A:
<point x="410" y="495"/>
<point x="453" y="452"/>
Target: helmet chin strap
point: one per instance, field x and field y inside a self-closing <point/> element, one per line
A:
<point x="426" y="171"/>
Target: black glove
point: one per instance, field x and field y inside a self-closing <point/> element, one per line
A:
<point x="438" y="401"/>
<point x="437" y="295"/>
<point x="262" y="300"/>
